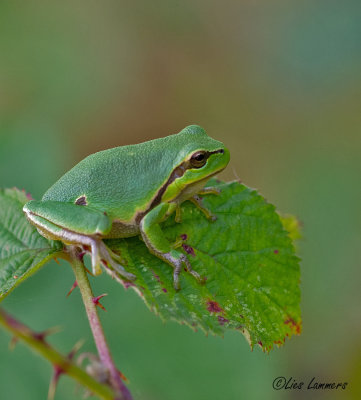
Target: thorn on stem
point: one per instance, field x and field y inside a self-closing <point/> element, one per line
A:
<point x="75" y="349"/>
<point x="75" y="284"/>
<point x="122" y="376"/>
<point x="42" y="335"/>
<point x="13" y="342"/>
<point x="54" y="381"/>
<point x="97" y="302"/>
<point x="58" y="371"/>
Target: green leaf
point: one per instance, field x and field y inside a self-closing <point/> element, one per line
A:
<point x="22" y="249"/>
<point x="247" y="257"/>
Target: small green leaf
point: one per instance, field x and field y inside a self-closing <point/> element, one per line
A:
<point x="292" y="226"/>
<point x="22" y="249"/>
<point x="247" y="257"/>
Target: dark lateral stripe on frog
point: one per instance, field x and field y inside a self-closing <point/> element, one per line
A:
<point x="178" y="172"/>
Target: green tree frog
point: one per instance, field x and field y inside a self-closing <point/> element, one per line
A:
<point x="127" y="191"/>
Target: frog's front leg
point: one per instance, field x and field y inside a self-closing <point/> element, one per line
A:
<point x="197" y="201"/>
<point x="158" y="244"/>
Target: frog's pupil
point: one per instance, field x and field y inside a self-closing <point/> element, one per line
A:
<point x="200" y="157"/>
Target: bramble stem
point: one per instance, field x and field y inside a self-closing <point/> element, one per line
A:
<point x="60" y="363"/>
<point x="95" y="324"/>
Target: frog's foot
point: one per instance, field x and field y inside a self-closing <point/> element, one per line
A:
<point x="101" y="252"/>
<point x="197" y="201"/>
<point x="115" y="256"/>
<point x="177" y="259"/>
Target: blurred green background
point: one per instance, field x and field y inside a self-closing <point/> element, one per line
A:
<point x="279" y="83"/>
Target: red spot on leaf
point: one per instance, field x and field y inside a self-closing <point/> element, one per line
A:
<point x="189" y="250"/>
<point x="222" y="320"/>
<point x="294" y="326"/>
<point x="164" y="290"/>
<point x="275" y="251"/>
<point x="28" y="195"/>
<point x="156" y="276"/>
<point x="127" y="284"/>
<point x="260" y="343"/>
<point x="184" y="236"/>
<point x="213" y="306"/>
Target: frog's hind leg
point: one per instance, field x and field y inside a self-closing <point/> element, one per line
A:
<point x="158" y="244"/>
<point x="53" y="232"/>
<point x="89" y="235"/>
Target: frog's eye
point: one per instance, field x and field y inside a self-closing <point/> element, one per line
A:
<point x="198" y="159"/>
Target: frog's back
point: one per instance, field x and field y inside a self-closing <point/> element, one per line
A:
<point x="124" y="180"/>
